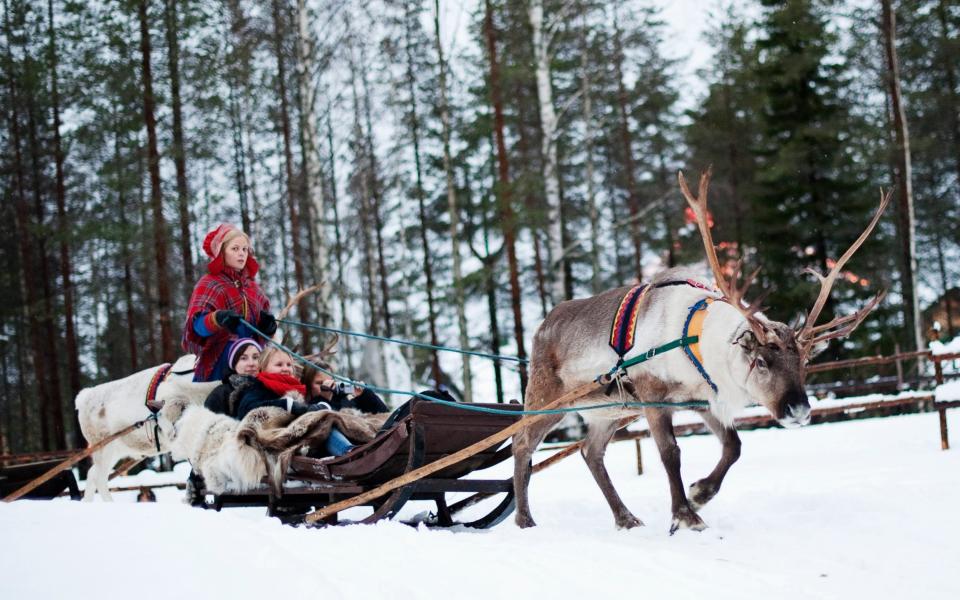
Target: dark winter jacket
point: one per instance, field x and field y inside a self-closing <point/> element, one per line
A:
<point x="366" y="402"/>
<point x="219" y="400"/>
<point x="252" y="394"/>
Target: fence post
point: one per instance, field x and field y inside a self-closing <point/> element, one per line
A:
<point x="944" y="434"/>
<point x="899" y="363"/>
<point x="639" y="457"/>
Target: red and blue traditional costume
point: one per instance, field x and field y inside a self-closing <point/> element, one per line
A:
<point x="222" y="288"/>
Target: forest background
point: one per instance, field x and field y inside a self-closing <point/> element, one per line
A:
<point x="452" y="170"/>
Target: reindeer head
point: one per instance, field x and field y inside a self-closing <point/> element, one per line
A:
<point x="770" y="358"/>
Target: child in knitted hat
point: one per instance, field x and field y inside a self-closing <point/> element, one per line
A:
<point x="243" y="358"/>
<point x="222" y="300"/>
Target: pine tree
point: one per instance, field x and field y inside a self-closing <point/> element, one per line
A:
<point x="810" y="202"/>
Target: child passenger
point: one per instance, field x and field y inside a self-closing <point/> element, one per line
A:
<point x="243" y="360"/>
<point x="276" y="386"/>
<point x="321" y="387"/>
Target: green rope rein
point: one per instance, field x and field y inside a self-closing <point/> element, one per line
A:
<point x="403" y="342"/>
<point x="497" y="411"/>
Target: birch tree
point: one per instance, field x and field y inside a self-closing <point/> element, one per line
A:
<point x="310" y="146"/>
<point x="905" y="214"/>
<point x="453" y="209"/>
<point x="549" y="125"/>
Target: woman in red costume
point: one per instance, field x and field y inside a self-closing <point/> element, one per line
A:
<point x="222" y="297"/>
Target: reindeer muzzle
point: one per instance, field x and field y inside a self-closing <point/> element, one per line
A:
<point x="796" y="410"/>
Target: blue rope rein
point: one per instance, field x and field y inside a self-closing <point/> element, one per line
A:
<point x="403" y="342"/>
<point x="464" y="406"/>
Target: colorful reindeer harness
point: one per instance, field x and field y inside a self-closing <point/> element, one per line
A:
<point x="624" y="327"/>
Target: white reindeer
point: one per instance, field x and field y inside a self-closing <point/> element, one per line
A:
<point x="111" y="406"/>
<point x="744" y="358"/>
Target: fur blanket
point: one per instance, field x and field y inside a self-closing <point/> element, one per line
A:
<point x="277" y="435"/>
<point x="234" y="456"/>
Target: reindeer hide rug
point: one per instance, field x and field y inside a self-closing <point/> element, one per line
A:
<point x="277" y="435"/>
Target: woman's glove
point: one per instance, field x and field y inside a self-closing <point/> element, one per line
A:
<point x="228" y="318"/>
<point x="319" y="406"/>
<point x="267" y="323"/>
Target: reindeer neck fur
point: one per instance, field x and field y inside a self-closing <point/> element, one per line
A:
<point x="724" y="360"/>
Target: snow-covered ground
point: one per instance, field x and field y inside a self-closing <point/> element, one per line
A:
<point x="863" y="509"/>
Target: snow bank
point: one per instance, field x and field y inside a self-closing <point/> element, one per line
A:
<point x="948" y="391"/>
<point x="848" y="510"/>
<point x="951" y="347"/>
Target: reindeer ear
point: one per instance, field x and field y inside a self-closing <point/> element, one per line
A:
<point x="748" y="341"/>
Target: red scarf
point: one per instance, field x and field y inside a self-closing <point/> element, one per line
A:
<point x="280" y="384"/>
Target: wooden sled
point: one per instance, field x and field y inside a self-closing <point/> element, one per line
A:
<point x="14" y="474"/>
<point x="430" y="432"/>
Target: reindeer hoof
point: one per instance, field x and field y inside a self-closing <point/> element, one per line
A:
<point x="700" y="493"/>
<point x="524" y="521"/>
<point x="687" y="519"/>
<point x="628" y="521"/>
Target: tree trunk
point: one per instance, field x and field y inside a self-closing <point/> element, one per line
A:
<point x="125" y="254"/>
<point x="532" y="204"/>
<point x="951" y="78"/>
<point x="156" y="197"/>
<point x="310" y="147"/>
<point x="338" y="240"/>
<point x="239" y="157"/>
<point x="507" y="218"/>
<point x="146" y="273"/>
<point x="427" y="262"/>
<point x="302" y="307"/>
<point x="361" y="176"/>
<point x="179" y="155"/>
<point x="905" y="214"/>
<point x="28" y="283"/>
<point x="51" y="363"/>
<point x="376" y="199"/>
<point x="633" y="198"/>
<point x="70" y="333"/>
<point x="587" y="114"/>
<point x="454" y="209"/>
<point x="548" y="150"/>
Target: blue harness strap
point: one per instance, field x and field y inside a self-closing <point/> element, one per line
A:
<point x="688" y="350"/>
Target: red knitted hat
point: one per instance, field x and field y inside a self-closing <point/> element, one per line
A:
<point x="213" y="246"/>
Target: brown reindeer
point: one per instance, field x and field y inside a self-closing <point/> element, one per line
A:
<point x="741" y="357"/>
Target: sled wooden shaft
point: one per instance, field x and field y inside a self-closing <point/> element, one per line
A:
<point x="406" y="478"/>
<point x="70" y="462"/>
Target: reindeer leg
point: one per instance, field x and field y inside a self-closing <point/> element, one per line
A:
<point x="593" y="451"/>
<point x="90" y="488"/>
<point x="525" y="442"/>
<point x="705" y="489"/>
<point x="661" y="427"/>
<point x="104" y="461"/>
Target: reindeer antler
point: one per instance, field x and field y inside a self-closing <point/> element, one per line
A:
<point x="811" y="334"/>
<point x="294" y="300"/>
<point x="327" y="350"/>
<point x="731" y="291"/>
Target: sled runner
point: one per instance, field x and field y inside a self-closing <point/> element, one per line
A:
<point x="430" y="432"/>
